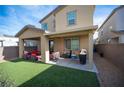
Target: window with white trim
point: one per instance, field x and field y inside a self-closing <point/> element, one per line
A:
<point x="45" y="26"/>
<point x="71" y="17"/>
<point x="72" y="44"/>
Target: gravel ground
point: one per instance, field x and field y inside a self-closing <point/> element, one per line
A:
<point x="109" y="75"/>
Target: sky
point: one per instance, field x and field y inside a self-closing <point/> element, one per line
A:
<point x="14" y="18"/>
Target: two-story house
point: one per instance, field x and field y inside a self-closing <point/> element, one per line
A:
<point x="65" y="28"/>
<point x="112" y="29"/>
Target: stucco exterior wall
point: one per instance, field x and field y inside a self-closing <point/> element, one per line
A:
<point x="105" y="31"/>
<point x="114" y="23"/>
<point x="30" y="33"/>
<point x="60" y="46"/>
<point x="121" y="38"/>
<point x="50" y="21"/>
<point x="120" y="19"/>
<point x="84" y="41"/>
<point x="83" y="18"/>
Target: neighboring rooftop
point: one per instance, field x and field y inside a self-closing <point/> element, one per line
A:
<point x="116" y="9"/>
<point x="5" y="35"/>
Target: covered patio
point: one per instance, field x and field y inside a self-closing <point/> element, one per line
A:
<point x="30" y="32"/>
<point x="85" y="36"/>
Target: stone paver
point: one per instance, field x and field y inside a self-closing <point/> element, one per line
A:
<point x="108" y="73"/>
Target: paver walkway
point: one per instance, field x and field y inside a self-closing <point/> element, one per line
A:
<point x="109" y="74"/>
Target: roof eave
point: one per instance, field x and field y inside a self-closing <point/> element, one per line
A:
<point x="52" y="12"/>
<point x="93" y="28"/>
<point x="25" y="28"/>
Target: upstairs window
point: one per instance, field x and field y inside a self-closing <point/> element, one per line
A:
<point x="71" y="17"/>
<point x="45" y="26"/>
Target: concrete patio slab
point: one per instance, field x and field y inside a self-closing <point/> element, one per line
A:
<point x="71" y="63"/>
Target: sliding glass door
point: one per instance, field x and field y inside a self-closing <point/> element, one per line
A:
<point x="72" y="43"/>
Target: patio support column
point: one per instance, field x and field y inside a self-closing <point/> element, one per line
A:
<point x="21" y="47"/>
<point x="91" y="50"/>
<point x="45" y="49"/>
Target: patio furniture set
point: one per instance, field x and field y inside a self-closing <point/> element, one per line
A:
<point x="54" y="56"/>
<point x="32" y="55"/>
<point x="74" y="55"/>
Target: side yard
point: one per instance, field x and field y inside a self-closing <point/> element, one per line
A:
<point x="110" y="75"/>
<point x="32" y="74"/>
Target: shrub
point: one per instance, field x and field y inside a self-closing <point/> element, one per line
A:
<point x="5" y="81"/>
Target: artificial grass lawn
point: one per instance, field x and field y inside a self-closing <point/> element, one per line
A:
<point x="26" y="73"/>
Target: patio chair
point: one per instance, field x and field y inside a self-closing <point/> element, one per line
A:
<point x="55" y="56"/>
<point x="66" y="53"/>
<point x="35" y="55"/>
<point x="26" y="55"/>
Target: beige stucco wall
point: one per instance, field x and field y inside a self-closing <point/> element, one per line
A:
<point x="50" y="21"/>
<point x="114" y="23"/>
<point x="30" y="33"/>
<point x="120" y="19"/>
<point x="84" y="40"/>
<point x="84" y="17"/>
<point x="44" y="49"/>
<point x="59" y="43"/>
<point x="121" y="38"/>
<point x="105" y="31"/>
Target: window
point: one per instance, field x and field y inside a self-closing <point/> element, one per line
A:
<point x="75" y="44"/>
<point x="45" y="26"/>
<point x="71" y="17"/>
<point x="72" y="44"/>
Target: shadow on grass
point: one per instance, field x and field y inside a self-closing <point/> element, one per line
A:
<point x="57" y="76"/>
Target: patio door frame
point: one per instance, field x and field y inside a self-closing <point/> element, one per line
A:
<point x="71" y="38"/>
<point x="50" y="45"/>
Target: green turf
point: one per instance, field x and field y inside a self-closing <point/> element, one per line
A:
<point x="26" y="73"/>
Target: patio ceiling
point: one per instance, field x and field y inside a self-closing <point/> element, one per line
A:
<point x="35" y="38"/>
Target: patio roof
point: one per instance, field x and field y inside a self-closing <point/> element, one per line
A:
<point x="28" y="27"/>
<point x="71" y="32"/>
